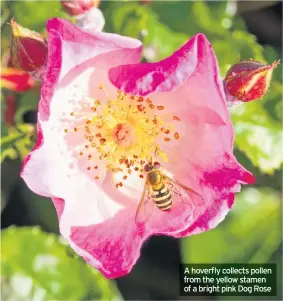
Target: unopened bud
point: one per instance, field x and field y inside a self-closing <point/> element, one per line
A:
<point x="248" y="80"/>
<point x="28" y="48"/>
<point x="78" y="7"/>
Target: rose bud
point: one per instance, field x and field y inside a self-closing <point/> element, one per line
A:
<point x="78" y="7"/>
<point x="248" y="80"/>
<point x="28" y="48"/>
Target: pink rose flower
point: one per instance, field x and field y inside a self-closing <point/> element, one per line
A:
<point x="103" y="115"/>
<point x="248" y="81"/>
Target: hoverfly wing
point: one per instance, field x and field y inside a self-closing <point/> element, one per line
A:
<point x="185" y="194"/>
<point x="145" y="207"/>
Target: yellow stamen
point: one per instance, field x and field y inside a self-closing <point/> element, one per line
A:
<point x="122" y="132"/>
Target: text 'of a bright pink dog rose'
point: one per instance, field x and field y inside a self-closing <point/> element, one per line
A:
<point x="248" y="80"/>
<point x="127" y="150"/>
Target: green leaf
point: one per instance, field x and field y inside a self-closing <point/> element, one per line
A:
<point x="18" y="142"/>
<point x="34" y="15"/>
<point x="38" y="266"/>
<point x="250" y="233"/>
<point x="141" y="22"/>
<point x="10" y="153"/>
<point x="27" y="102"/>
<point x="11" y="139"/>
<point x="184" y="16"/>
<point x="258" y="136"/>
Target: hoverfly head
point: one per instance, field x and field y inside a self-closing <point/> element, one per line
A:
<point x="156" y="165"/>
<point x="147" y="168"/>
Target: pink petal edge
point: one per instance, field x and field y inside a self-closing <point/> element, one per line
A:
<point x="191" y="71"/>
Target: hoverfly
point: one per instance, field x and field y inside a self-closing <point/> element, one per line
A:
<point x="160" y="188"/>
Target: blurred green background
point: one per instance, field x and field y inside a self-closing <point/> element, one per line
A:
<point x="37" y="265"/>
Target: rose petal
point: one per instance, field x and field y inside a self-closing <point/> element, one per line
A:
<point x="72" y="51"/>
<point x="51" y="168"/>
<point x="114" y="246"/>
<point x="190" y="75"/>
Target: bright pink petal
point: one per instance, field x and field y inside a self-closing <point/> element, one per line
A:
<point x="73" y="50"/>
<point x="190" y="77"/>
<point x="221" y="184"/>
<point x="52" y="168"/>
<point x="114" y="246"/>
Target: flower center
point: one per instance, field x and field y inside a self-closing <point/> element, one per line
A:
<point x="122" y="132"/>
<point x="124" y="135"/>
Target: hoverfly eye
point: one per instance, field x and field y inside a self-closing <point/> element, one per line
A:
<point x="146" y="168"/>
<point x="156" y="165"/>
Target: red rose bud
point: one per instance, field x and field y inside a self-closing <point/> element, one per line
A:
<point x="28" y="48"/>
<point x="78" y="7"/>
<point x="248" y="80"/>
<point x="16" y="80"/>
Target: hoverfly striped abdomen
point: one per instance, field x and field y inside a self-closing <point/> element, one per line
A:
<point x="162" y="197"/>
<point x="157" y="190"/>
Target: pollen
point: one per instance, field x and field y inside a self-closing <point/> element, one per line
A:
<point x="166" y="131"/>
<point x="176" y="135"/>
<point x="121" y="132"/>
